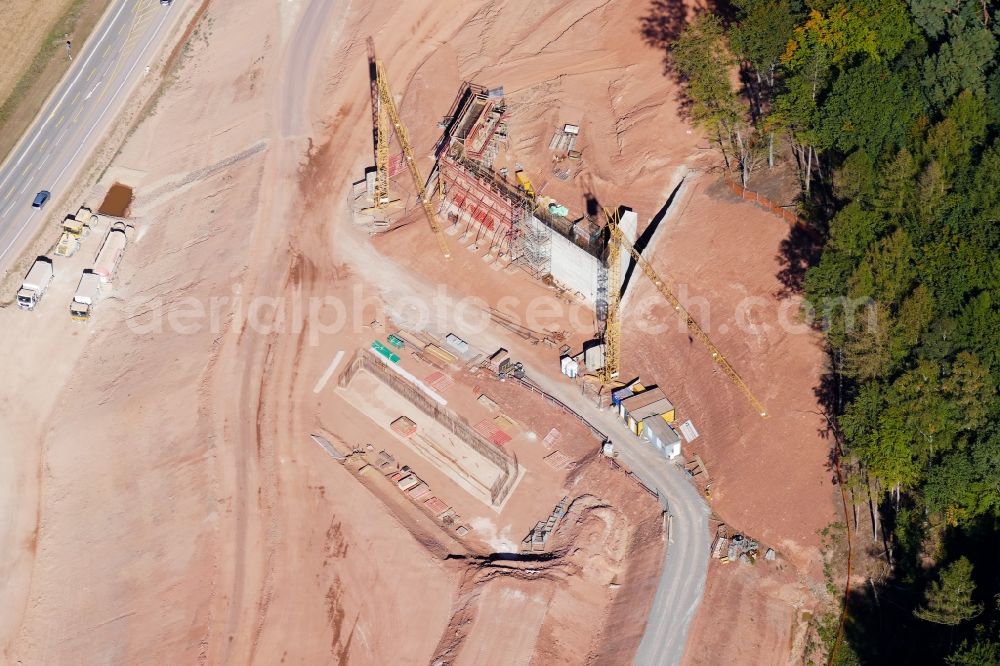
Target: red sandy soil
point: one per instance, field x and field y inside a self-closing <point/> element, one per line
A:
<point x="588" y="605"/>
<point x="768" y="475"/>
<point x="166" y="504"/>
<point x="763" y="608"/>
<point x="169" y="506"/>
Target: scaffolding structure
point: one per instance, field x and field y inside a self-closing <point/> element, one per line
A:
<point x="490" y="208"/>
<point x="601" y="304"/>
<point x="536" y="256"/>
<point x="487" y="209"/>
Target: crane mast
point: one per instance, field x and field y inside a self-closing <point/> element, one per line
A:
<point x="380" y="134"/>
<point x="385" y="115"/>
<point x="612" y="325"/>
<point x="612" y="333"/>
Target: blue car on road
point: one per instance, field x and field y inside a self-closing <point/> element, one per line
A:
<point x="40" y="199"/>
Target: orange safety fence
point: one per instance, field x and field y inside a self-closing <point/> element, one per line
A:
<point x="765" y="203"/>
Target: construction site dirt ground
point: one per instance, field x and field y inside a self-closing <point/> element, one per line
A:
<point x="165" y="459"/>
<point x="770" y="477"/>
<point x="165" y="501"/>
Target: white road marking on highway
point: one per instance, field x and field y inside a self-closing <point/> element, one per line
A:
<point x="60" y="121"/>
<point x="107" y="50"/>
<point x="25" y="172"/>
<point x="8" y="208"/>
<point x="83" y="141"/>
<point x="91" y="75"/>
<point x="25" y="187"/>
<point x="76" y="98"/>
<point x="329" y="372"/>
<point x="44" y="143"/>
<point x="9" y="192"/>
<point x="92" y="91"/>
<point x="83" y="66"/>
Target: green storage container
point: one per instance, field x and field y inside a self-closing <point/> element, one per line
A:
<point x="385" y="351"/>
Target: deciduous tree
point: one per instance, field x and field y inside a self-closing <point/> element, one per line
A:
<point x="701" y="56"/>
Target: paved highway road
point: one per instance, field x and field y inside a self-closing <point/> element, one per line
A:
<point x="682" y="580"/>
<point x="74" y="119"/>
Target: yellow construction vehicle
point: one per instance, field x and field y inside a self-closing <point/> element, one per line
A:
<point x="79" y="223"/>
<point x="385" y="115"/>
<point x="612" y="331"/>
<point x="525" y="184"/>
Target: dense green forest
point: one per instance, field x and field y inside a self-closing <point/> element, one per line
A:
<point x="890" y="113"/>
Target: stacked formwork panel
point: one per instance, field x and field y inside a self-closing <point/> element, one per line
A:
<point x="481" y="143"/>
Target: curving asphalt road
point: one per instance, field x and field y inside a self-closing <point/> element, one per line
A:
<point x="77" y="115"/>
<point x="685" y="567"/>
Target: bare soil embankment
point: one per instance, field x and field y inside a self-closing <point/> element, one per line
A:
<point x="170" y="506"/>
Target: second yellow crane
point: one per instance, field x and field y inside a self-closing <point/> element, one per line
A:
<point x="612" y="333"/>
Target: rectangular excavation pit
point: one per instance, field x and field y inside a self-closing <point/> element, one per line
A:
<point x="442" y="439"/>
<point x="117" y="201"/>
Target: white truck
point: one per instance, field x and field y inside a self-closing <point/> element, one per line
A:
<point x="35" y="283"/>
<point x="86" y="295"/>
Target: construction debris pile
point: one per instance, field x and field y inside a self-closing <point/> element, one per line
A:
<point x="418" y="490"/>
<point x="737" y="548"/>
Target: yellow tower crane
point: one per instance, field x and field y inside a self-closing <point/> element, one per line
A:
<point x="613" y="330"/>
<point x="384" y="114"/>
<point x="613" y="325"/>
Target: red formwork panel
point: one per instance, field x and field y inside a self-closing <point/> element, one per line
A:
<point x="491" y="431"/>
<point x="436" y="506"/>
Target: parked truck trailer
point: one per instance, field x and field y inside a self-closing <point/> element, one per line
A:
<point x="110" y="254"/>
<point x="35" y="283"/>
<point x="86" y="295"/>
